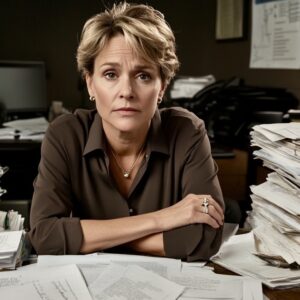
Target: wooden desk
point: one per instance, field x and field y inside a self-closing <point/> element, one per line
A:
<point x="233" y="175"/>
<point x="276" y="294"/>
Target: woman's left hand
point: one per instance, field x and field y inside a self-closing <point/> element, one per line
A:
<point x="191" y="209"/>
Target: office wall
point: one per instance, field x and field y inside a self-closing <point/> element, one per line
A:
<point x="49" y="30"/>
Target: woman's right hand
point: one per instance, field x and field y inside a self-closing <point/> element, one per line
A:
<point x="190" y="210"/>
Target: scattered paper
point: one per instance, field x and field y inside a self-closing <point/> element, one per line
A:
<point x="196" y="279"/>
<point x="133" y="282"/>
<point x="59" y="283"/>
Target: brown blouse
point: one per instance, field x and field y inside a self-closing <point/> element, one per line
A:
<point x="74" y="182"/>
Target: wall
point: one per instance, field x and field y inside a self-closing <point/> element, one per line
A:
<point x="49" y="30"/>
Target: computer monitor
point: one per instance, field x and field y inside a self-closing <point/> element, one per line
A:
<point x="23" y="88"/>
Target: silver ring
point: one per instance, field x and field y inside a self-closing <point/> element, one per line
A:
<point x="205" y="205"/>
<point x="205" y="202"/>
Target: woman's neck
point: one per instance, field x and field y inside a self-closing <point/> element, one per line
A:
<point x="126" y="154"/>
<point x="126" y="143"/>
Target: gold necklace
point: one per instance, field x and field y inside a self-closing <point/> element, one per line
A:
<point x="126" y="173"/>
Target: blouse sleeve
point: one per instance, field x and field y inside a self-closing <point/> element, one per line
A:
<point x="199" y="176"/>
<point x="53" y="230"/>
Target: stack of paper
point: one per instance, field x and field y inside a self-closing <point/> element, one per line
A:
<point x="237" y="255"/>
<point x="11" y="220"/>
<point x="11" y="239"/>
<point x="11" y="243"/>
<point x="27" y="129"/>
<point x="275" y="215"/>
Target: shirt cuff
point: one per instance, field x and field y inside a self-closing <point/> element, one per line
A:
<point x="192" y="242"/>
<point x="73" y="235"/>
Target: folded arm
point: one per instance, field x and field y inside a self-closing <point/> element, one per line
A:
<point x="144" y="233"/>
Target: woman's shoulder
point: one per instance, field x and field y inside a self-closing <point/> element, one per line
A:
<point x="72" y="124"/>
<point x="80" y="117"/>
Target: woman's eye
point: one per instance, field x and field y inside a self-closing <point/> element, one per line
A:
<point x="110" y="75"/>
<point x="144" y="76"/>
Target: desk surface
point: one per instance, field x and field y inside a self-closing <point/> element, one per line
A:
<point x="276" y="294"/>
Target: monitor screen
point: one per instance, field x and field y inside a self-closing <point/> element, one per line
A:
<point x="23" y="87"/>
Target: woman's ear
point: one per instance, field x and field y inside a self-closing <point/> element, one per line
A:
<point x="162" y="91"/>
<point x="89" y="80"/>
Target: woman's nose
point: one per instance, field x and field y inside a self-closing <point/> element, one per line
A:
<point x="126" y="89"/>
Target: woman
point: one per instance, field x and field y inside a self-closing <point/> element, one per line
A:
<point x="127" y="175"/>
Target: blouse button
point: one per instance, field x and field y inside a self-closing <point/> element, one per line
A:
<point x="131" y="211"/>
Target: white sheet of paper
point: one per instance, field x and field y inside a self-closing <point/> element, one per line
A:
<point x="9" y="241"/>
<point x="33" y="125"/>
<point x="209" y="285"/>
<point x="171" y="263"/>
<point x="59" y="289"/>
<point x="275" y="41"/>
<point x="273" y="213"/>
<point x="286" y="130"/>
<point x="90" y="272"/>
<point x="60" y="260"/>
<point x="133" y="283"/>
<point x="161" y="265"/>
<point x="278" y="196"/>
<point x="63" y="282"/>
<point x="283" y="162"/>
<point x="252" y="289"/>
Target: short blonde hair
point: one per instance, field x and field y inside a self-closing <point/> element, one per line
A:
<point x="143" y="27"/>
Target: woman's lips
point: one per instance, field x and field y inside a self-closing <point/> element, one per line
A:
<point x="126" y="110"/>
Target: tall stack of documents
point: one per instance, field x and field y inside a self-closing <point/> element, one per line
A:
<point x="275" y="215"/>
<point x="237" y="255"/>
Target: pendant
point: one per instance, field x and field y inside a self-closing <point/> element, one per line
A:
<point x="126" y="174"/>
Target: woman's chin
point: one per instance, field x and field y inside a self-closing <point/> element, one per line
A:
<point x="128" y="127"/>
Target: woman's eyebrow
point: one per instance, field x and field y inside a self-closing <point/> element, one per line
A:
<point x="109" y="64"/>
<point x="144" y="67"/>
<point x="135" y="68"/>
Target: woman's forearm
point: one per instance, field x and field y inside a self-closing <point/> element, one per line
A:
<point x="103" y="234"/>
<point x="152" y="244"/>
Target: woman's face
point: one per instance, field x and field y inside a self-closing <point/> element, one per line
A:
<point x="125" y="86"/>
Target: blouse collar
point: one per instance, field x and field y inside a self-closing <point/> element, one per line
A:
<point x="96" y="139"/>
